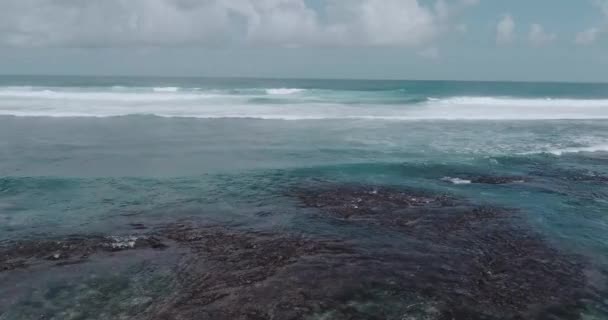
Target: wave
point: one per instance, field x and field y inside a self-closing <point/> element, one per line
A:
<point x="589" y="149"/>
<point x="166" y="89"/>
<point x="116" y="93"/>
<point x="593" y="148"/>
<point x="456" y="180"/>
<point x="511" y="108"/>
<point x="284" y="103"/>
<point x="521" y="102"/>
<point x="284" y="91"/>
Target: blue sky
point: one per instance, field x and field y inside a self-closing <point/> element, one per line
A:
<point x="556" y="40"/>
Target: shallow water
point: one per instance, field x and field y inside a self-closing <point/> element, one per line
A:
<point x="134" y="161"/>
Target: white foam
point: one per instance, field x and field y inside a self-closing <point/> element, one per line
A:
<point x="590" y="149"/>
<point x="284" y="91"/>
<point x="507" y="108"/>
<point x="521" y="102"/>
<point x="181" y="102"/>
<point x="122" y="242"/>
<point x="115" y="94"/>
<point x="166" y="89"/>
<point x="456" y="180"/>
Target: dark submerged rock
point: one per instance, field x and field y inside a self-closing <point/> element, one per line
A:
<point x="247" y="275"/>
<point x="497" y="180"/>
<point x="474" y="262"/>
<point x="69" y="250"/>
<point x="138" y="226"/>
<point x="352" y="201"/>
<point x="453" y="261"/>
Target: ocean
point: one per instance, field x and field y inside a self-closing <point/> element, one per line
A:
<point x="385" y="199"/>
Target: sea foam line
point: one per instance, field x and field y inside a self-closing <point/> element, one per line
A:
<point x="561" y="151"/>
<point x="589" y="149"/>
<point x="166" y="89"/>
<point x="284" y="91"/>
<point x="195" y="103"/>
<point x="520" y="102"/>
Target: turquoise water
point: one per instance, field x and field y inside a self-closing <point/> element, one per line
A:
<point x="90" y="155"/>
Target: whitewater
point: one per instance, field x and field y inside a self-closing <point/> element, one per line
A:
<point x="287" y="104"/>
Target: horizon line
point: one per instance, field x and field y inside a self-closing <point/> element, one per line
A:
<point x="233" y="77"/>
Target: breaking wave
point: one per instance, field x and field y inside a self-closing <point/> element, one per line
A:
<point x="284" y="91"/>
<point x="285" y="103"/>
<point x="166" y="89"/>
<point x="589" y="149"/>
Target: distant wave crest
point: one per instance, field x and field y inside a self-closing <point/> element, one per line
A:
<point x="166" y="89"/>
<point x="521" y="102"/>
<point x="590" y="149"/>
<point x="284" y="103"/>
<point x="284" y="91"/>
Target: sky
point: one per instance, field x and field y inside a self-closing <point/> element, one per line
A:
<point x="520" y="40"/>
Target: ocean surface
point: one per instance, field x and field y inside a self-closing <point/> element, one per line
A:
<point x="100" y="155"/>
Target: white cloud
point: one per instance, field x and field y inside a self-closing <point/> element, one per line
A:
<point x="505" y="30"/>
<point x="382" y="22"/>
<point x="603" y="6"/>
<point x="284" y="22"/>
<point x="109" y="23"/>
<point x="441" y="9"/>
<point x="538" y="37"/>
<point x="462" y="28"/>
<point x="470" y="2"/>
<point x="588" y="36"/>
<point x="431" y="53"/>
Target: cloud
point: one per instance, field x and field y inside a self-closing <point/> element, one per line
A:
<point x="470" y="2"/>
<point x="538" y="37"/>
<point x="110" y="22"/>
<point x="505" y="30"/>
<point x="431" y="53"/>
<point x="287" y="23"/>
<point x="602" y="5"/>
<point x="462" y="28"/>
<point x="382" y="23"/>
<point x="590" y="35"/>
